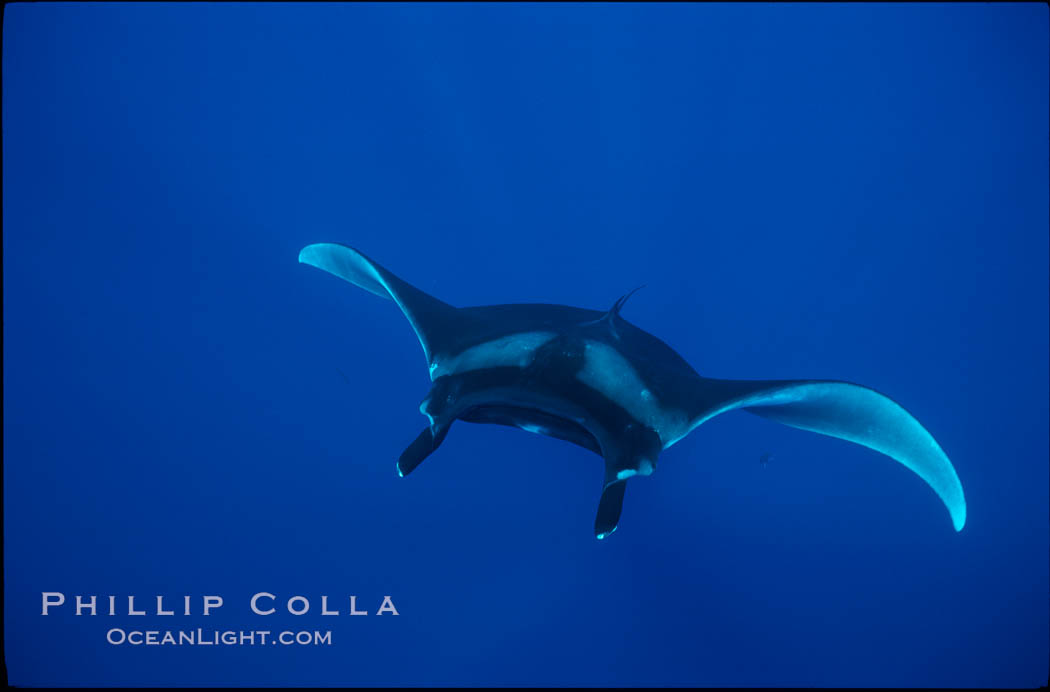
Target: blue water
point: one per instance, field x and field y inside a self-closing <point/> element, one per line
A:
<point x="852" y="192"/>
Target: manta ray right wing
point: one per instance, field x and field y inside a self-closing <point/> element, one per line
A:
<point x="849" y="412"/>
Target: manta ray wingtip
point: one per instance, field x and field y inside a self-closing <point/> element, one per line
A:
<point x="308" y="255"/>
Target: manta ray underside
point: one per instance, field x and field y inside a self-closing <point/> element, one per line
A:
<point x="594" y="379"/>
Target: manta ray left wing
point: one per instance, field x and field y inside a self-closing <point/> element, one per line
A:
<point x="849" y="412"/>
<point x="433" y="320"/>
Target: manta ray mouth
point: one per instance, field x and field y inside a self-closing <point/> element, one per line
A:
<point x="533" y="420"/>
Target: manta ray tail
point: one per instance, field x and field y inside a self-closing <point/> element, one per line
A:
<point x="421" y="448"/>
<point x="849" y="412"/>
<point x="633" y="452"/>
<point x="609" y="508"/>
<point x="429" y="317"/>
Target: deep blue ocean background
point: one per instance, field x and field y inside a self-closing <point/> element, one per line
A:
<point x="852" y="192"/>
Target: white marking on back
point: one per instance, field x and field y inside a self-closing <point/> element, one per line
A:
<point x="514" y="350"/>
<point x="607" y="371"/>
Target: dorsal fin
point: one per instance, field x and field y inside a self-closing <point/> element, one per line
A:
<point x="618" y="305"/>
<point x="613" y="313"/>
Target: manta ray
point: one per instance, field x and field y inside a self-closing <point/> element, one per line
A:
<point x="594" y="379"/>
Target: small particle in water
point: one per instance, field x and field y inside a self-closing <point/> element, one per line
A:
<point x="764" y="459"/>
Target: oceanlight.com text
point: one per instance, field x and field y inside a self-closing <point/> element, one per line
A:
<point x="209" y="637"/>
